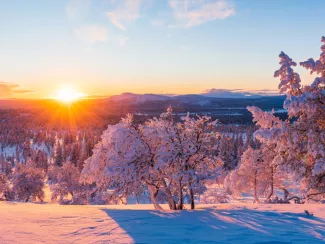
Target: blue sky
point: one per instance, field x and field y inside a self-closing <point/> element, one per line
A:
<point x="106" y="47"/>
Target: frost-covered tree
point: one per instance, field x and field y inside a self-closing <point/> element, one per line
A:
<point x="75" y="154"/>
<point x="202" y="161"/>
<point x="300" y="140"/>
<point x="81" y="161"/>
<point x="28" y="182"/>
<point x="119" y="160"/>
<point x="5" y="166"/>
<point x="228" y="152"/>
<point x="40" y="160"/>
<point x="65" y="182"/>
<point x="164" y="156"/>
<point x="59" y="155"/>
<point x="246" y="179"/>
<point x="184" y="153"/>
<point x="257" y="175"/>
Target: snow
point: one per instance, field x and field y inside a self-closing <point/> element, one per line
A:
<point x="223" y="223"/>
<point x="41" y="147"/>
<point x="8" y="151"/>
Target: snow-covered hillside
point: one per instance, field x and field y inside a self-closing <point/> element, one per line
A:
<point x="47" y="223"/>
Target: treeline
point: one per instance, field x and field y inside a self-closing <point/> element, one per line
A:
<point x="60" y="164"/>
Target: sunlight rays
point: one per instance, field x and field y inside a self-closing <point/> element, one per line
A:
<point x="68" y="94"/>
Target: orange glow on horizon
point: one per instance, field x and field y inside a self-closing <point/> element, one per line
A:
<point x="68" y="95"/>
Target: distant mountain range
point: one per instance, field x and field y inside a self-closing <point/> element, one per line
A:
<point x="194" y="99"/>
<point x="227" y="109"/>
<point x="151" y="103"/>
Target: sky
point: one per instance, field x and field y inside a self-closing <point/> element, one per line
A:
<point x="107" y="47"/>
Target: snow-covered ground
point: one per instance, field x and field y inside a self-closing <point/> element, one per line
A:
<point x="224" y="223"/>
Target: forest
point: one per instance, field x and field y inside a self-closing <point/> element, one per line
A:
<point x="172" y="159"/>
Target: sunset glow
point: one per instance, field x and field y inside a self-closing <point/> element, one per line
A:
<point x="68" y="95"/>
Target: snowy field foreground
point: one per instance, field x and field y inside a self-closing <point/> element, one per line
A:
<point x="49" y="223"/>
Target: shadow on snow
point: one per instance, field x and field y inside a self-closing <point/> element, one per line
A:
<point x="218" y="226"/>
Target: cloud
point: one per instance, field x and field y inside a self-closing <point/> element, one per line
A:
<point x="76" y="9"/>
<point x="266" y="92"/>
<point x="238" y="93"/>
<point x="8" y="90"/>
<point x="225" y="93"/>
<point x="126" y="11"/>
<point x="190" y="13"/>
<point x="92" y="33"/>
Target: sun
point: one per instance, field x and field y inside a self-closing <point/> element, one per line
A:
<point x="68" y="95"/>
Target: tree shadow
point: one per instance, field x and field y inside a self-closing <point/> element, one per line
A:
<point x="218" y="226"/>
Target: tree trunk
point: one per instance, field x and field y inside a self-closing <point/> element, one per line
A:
<point x="285" y="194"/>
<point x="153" y="195"/>
<point x="180" y="196"/>
<point x="137" y="198"/>
<point x="191" y="197"/>
<point x="27" y="199"/>
<point x="5" y="194"/>
<point x="256" y="200"/>
<point x="271" y="186"/>
<point x="168" y="195"/>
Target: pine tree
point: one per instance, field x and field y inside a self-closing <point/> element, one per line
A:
<point x="59" y="155"/>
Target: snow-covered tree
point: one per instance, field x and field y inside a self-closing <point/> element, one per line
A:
<point x="65" y="182"/>
<point x="28" y="182"/>
<point x="164" y="156"/>
<point x="257" y="175"/>
<point x="228" y="152"/>
<point x="40" y="160"/>
<point x="5" y="166"/>
<point x="300" y="140"/>
<point x="184" y="154"/>
<point x="246" y="179"/>
<point x="59" y="157"/>
<point x="75" y="154"/>
<point x="119" y="161"/>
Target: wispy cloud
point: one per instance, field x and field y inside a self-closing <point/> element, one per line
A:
<point x="190" y="13"/>
<point x="126" y="11"/>
<point x="92" y="33"/>
<point x="8" y="90"/>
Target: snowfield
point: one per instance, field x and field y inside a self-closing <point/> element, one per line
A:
<point x="223" y="223"/>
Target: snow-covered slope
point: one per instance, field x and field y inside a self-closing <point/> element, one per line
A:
<point x="48" y="223"/>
